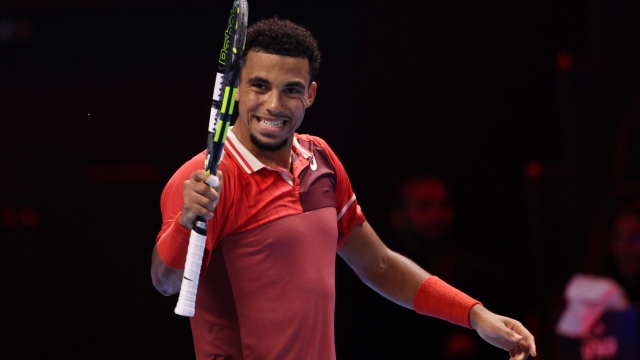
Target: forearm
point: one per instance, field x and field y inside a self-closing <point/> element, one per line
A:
<point x="397" y="278"/>
<point x="165" y="279"/>
<point x="389" y="273"/>
<point x="401" y="280"/>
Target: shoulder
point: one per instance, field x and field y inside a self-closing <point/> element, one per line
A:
<point x="319" y="148"/>
<point x="310" y="138"/>
<point x="311" y="142"/>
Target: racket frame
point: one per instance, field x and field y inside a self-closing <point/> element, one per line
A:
<point x="222" y="106"/>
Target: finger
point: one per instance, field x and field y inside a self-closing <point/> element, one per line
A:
<point x="212" y="194"/>
<point x="513" y="336"/>
<point x="528" y="340"/>
<point x="193" y="187"/>
<point x="519" y="353"/>
<point x="507" y="334"/>
<point x="201" y="205"/>
<point x="529" y="344"/>
<point x="218" y="188"/>
<point x="199" y="176"/>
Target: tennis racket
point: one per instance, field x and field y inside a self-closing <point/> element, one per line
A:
<point x="224" y="99"/>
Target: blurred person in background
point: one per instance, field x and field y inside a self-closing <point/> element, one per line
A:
<point x="610" y="280"/>
<point x="426" y="231"/>
<point x="626" y="252"/>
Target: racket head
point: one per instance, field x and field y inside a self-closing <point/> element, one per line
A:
<point x="226" y="83"/>
<point x="235" y="34"/>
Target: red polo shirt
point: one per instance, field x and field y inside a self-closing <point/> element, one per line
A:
<point x="268" y="284"/>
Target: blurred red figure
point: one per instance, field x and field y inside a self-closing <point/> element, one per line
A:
<point x="613" y="287"/>
<point x="426" y="208"/>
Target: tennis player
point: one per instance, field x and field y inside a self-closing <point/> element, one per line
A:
<point x="283" y="207"/>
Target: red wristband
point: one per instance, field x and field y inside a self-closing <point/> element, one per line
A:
<point x="438" y="299"/>
<point x="173" y="245"/>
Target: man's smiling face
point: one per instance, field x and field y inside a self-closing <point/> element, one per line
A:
<point x="273" y="94"/>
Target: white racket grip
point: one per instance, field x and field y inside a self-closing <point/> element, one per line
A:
<point x="187" y="299"/>
<point x="212" y="181"/>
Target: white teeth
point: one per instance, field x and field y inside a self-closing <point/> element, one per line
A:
<point x="271" y="124"/>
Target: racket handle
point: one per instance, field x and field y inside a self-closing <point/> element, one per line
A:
<point x="187" y="299"/>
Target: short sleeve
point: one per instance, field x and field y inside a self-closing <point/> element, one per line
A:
<point x="170" y="206"/>
<point x="349" y="213"/>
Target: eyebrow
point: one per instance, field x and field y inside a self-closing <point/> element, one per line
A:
<point x="298" y="84"/>
<point x="260" y="79"/>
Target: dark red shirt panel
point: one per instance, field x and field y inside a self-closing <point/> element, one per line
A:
<point x="282" y="279"/>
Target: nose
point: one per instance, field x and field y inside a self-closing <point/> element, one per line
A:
<point x="273" y="102"/>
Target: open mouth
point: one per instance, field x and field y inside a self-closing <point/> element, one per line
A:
<point x="273" y="124"/>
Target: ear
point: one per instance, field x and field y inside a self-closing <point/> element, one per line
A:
<point x="237" y="94"/>
<point x="311" y="94"/>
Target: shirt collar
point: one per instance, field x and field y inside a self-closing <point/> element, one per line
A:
<point x="247" y="160"/>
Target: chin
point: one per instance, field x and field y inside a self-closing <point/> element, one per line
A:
<point x="271" y="145"/>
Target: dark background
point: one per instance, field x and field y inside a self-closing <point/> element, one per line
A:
<point x="101" y="101"/>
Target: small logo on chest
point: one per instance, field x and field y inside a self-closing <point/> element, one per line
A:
<point x="312" y="163"/>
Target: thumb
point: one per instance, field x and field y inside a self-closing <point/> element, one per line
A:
<point x="212" y="181"/>
<point x="215" y="180"/>
<point x="512" y="335"/>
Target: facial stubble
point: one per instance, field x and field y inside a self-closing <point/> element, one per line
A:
<point x="267" y="147"/>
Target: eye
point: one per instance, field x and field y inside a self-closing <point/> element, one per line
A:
<point x="293" y="90"/>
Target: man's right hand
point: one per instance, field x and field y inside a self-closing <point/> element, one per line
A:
<point x="198" y="198"/>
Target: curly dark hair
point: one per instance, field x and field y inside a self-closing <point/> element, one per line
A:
<point x="283" y="37"/>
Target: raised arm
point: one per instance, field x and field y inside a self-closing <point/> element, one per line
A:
<point x="198" y="199"/>
<point x="402" y="281"/>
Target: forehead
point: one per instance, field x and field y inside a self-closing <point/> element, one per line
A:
<point x="275" y="67"/>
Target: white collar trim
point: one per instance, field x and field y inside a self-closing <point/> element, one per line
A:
<point x="246" y="159"/>
<point x="305" y="153"/>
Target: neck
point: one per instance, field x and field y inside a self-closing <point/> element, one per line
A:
<point x="279" y="158"/>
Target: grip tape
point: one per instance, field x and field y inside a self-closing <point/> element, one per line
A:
<point x="187" y="300"/>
